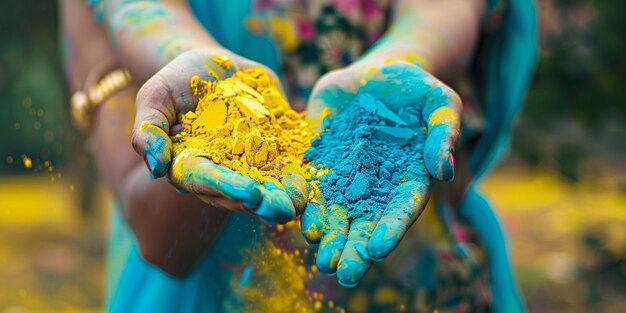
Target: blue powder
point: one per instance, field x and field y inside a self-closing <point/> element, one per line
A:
<point x="369" y="150"/>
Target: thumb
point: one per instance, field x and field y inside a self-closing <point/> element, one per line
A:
<point x="442" y="113"/>
<point x="155" y="114"/>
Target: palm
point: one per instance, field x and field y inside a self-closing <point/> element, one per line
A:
<point x="350" y="243"/>
<point x="161" y="101"/>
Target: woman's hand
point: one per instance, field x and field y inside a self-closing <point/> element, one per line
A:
<point x="346" y="247"/>
<point x="159" y="103"/>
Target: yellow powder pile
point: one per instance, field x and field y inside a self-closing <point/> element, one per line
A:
<point x="245" y="124"/>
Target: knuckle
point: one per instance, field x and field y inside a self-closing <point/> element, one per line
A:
<point x="135" y="141"/>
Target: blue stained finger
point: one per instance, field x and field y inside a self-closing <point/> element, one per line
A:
<point x="333" y="240"/>
<point x="199" y="175"/>
<point x="296" y="187"/>
<point x="276" y="206"/>
<point x="355" y="259"/>
<point x="408" y="202"/>
<point x="438" y="153"/>
<point x="313" y="222"/>
<point x="442" y="109"/>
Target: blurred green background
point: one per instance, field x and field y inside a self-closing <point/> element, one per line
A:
<point x="562" y="192"/>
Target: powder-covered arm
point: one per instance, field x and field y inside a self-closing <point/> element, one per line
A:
<point x="173" y="230"/>
<point x="147" y="35"/>
<point x="164" y="45"/>
<point x="439" y="36"/>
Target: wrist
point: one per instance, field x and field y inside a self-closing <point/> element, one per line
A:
<point x="388" y="50"/>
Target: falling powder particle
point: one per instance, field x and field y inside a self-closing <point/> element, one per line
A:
<point x="28" y="163"/>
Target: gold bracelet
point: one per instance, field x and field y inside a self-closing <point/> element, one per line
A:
<point x="84" y="103"/>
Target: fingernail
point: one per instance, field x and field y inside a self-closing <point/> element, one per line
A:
<point x="452" y="159"/>
<point x="152" y="163"/>
<point x="450" y="171"/>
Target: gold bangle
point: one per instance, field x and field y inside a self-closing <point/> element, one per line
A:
<point x="84" y="103"/>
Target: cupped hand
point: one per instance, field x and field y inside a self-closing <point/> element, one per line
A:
<point x="160" y="102"/>
<point x="347" y="247"/>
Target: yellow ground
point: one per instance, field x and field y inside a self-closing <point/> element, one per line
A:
<point x="51" y="257"/>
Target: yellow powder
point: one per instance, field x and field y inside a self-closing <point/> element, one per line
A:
<point x="279" y="278"/>
<point x="278" y="283"/>
<point x="245" y="124"/>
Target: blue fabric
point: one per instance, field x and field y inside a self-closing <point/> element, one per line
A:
<point x="508" y="61"/>
<point x="509" y="57"/>
<point x="223" y="19"/>
<point x="505" y="68"/>
<point x="136" y="286"/>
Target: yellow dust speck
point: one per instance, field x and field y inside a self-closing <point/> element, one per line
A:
<point x="37" y="125"/>
<point x="402" y="307"/>
<point x="71" y="187"/>
<point x="418" y="60"/>
<point x="28" y="102"/>
<point x="254" y="25"/>
<point x="416" y="197"/>
<point x="371" y="70"/>
<point x="317" y="305"/>
<point x="28" y="163"/>
<point x="17" y="125"/>
<point x="9" y="160"/>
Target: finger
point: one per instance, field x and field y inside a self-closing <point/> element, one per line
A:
<point x="199" y="175"/>
<point x="296" y="187"/>
<point x="355" y="260"/>
<point x="276" y="206"/>
<point x="223" y="203"/>
<point x="333" y="240"/>
<point x="442" y="113"/>
<point x="313" y="222"/>
<point x="407" y="203"/>
<point x="155" y="114"/>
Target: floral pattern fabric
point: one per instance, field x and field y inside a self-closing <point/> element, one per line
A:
<point x="318" y="36"/>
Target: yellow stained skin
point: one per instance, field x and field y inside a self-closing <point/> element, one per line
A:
<point x="441" y="116"/>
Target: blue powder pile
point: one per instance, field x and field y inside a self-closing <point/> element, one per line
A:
<point x="369" y="150"/>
